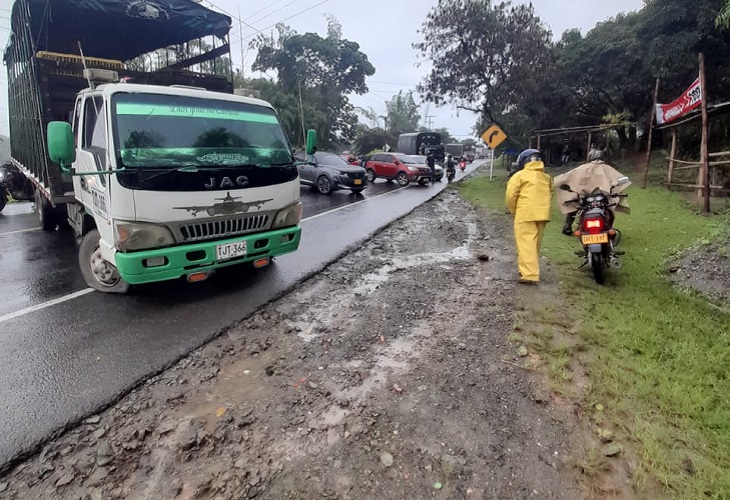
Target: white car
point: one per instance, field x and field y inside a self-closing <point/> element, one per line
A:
<point x="439" y="168"/>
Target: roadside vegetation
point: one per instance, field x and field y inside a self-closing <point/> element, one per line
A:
<point x="656" y="358"/>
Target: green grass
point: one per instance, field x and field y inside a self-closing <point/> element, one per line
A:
<point x="658" y="358"/>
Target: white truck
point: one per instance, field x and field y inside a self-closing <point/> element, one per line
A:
<point x="159" y="181"/>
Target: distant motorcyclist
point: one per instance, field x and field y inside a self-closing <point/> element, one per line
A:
<point x="450" y="164"/>
<point x="596" y="174"/>
<point x="431" y="162"/>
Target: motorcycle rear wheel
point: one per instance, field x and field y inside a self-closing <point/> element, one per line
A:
<point x="3" y="201"/>
<point x="599" y="270"/>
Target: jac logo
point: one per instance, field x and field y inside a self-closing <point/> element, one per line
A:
<point x="227" y="182"/>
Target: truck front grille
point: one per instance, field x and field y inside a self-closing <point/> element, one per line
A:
<point x="223" y="228"/>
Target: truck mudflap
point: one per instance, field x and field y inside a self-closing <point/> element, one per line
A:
<point x="170" y="263"/>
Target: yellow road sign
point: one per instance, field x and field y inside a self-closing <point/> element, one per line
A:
<point x="494" y="136"/>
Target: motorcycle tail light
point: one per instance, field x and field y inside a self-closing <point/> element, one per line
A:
<point x="593" y="226"/>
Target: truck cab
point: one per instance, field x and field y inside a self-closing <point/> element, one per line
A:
<point x="175" y="181"/>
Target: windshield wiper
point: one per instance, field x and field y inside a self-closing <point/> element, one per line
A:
<point x="167" y="171"/>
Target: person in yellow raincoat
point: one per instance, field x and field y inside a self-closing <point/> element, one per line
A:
<point x="528" y="196"/>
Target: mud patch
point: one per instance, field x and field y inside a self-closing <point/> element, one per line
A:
<point x="384" y="376"/>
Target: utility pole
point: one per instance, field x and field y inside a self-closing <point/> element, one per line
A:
<point x="429" y="121"/>
<point x="240" y="35"/>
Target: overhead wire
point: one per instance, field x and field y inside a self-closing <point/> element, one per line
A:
<point x="283" y="20"/>
<point x="274" y="12"/>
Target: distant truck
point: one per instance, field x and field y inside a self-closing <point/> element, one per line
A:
<point x="421" y="143"/>
<point x="164" y="175"/>
<point x="455" y="150"/>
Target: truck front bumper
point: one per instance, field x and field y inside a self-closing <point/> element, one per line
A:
<point x="138" y="267"/>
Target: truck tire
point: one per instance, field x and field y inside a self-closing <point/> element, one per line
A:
<point x="46" y="214"/>
<point x="99" y="274"/>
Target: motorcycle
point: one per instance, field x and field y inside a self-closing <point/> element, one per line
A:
<point x="13" y="183"/>
<point x="595" y="228"/>
<point x="462" y="165"/>
<point x="450" y="173"/>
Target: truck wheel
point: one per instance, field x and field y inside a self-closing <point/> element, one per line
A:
<point x="99" y="274"/>
<point x="46" y="214"/>
<point x="402" y="179"/>
<point x="3" y="201"/>
<point x="370" y="175"/>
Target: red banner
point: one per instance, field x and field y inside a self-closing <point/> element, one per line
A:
<point x="689" y="100"/>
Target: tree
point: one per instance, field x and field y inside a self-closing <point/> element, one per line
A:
<point x="487" y="57"/>
<point x="288" y="110"/>
<point x="723" y="18"/>
<point x="445" y="135"/>
<point x="403" y="116"/>
<point x="374" y="139"/>
<point x="331" y="68"/>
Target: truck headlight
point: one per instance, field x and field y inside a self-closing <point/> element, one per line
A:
<point x="129" y="236"/>
<point x="289" y="216"/>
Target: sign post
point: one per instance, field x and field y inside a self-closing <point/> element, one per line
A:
<point x="493" y="137"/>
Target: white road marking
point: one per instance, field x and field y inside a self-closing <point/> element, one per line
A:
<point x="20" y="231"/>
<point x="85" y="291"/>
<point x="44" y="305"/>
<point x="353" y="204"/>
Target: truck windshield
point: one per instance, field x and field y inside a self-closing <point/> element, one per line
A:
<point x="154" y="130"/>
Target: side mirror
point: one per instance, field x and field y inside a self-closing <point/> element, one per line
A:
<point x="565" y="187"/>
<point x="60" y="142"/>
<point x="311" y="141"/>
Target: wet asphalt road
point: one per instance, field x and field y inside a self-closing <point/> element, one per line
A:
<point x="59" y="362"/>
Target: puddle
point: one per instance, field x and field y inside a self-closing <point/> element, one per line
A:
<point x="237" y="383"/>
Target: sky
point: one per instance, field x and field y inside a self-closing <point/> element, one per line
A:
<point x="385" y="30"/>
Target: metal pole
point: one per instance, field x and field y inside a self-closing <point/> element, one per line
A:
<point x="651" y="130"/>
<point x="538" y="140"/>
<point x="491" y="165"/>
<point x="704" y="153"/>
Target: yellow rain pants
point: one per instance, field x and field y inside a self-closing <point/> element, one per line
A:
<point x="528" y="236"/>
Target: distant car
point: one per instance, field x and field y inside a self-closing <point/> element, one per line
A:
<point x="439" y="168"/>
<point x="328" y="173"/>
<point x="396" y="166"/>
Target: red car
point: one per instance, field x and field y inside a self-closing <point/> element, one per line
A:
<point x="396" y="166"/>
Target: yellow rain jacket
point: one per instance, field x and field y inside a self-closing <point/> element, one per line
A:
<point x="528" y="198"/>
<point x="528" y="193"/>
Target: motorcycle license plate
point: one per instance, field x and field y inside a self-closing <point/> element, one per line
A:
<point x="230" y="251"/>
<point x="358" y="182"/>
<point x="594" y="239"/>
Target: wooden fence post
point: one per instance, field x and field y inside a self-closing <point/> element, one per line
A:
<point x="670" y="173"/>
<point x="651" y="130"/>
<point x="588" y="148"/>
<point x="704" y="152"/>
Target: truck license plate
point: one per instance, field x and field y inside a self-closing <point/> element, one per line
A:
<point x="358" y="182"/>
<point x="594" y="239"/>
<point x="230" y="251"/>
